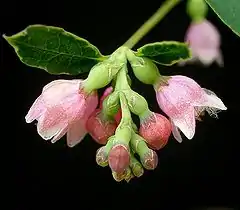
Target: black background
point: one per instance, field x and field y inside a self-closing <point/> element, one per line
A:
<point x="197" y="173"/>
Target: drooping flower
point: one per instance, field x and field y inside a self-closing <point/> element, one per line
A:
<point x="155" y="129"/>
<point x="204" y="41"/>
<point x="63" y="107"/>
<point x="182" y="99"/>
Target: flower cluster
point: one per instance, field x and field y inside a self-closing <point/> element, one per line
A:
<point x="73" y="107"/>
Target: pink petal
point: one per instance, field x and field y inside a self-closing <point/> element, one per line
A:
<point x="60" y="81"/>
<point x="36" y="110"/>
<point x="206" y="56"/>
<point x="51" y="123"/>
<point x="212" y="100"/>
<point x="78" y="130"/>
<point x="76" y="133"/>
<point x="60" y="134"/>
<point x="203" y="35"/>
<point x="55" y="92"/>
<point x="181" y="92"/>
<point x="186" y="123"/>
<point x="176" y="133"/>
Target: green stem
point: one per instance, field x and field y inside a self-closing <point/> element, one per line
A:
<point x="151" y="22"/>
<point x="122" y="80"/>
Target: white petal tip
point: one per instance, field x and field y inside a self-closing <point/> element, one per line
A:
<point x="28" y="119"/>
<point x="179" y="140"/>
<point x="190" y="137"/>
<point x="224" y="108"/>
<point x="71" y="145"/>
<point x="53" y="141"/>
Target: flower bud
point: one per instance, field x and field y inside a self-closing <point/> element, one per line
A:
<point x="148" y="157"/>
<point x="155" y="129"/>
<point x="128" y="175"/>
<point x="119" y="158"/>
<point x="102" y="73"/>
<point x="150" y="160"/>
<point x="136" y="103"/>
<point x="102" y="157"/>
<point x="118" y="176"/>
<point x="136" y="166"/>
<point x="100" y="128"/>
<point x="111" y="104"/>
<point x="125" y="175"/>
<point x="197" y="10"/>
<point x="144" y="69"/>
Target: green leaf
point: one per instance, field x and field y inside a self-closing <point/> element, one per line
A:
<point x="54" y="50"/>
<point x="228" y="11"/>
<point x="165" y="53"/>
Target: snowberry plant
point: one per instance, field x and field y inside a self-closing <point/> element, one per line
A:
<point x="73" y="107"/>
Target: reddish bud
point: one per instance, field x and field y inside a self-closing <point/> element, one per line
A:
<point x="155" y="129"/>
<point x="119" y="158"/>
<point x="150" y="160"/>
<point x="99" y="128"/>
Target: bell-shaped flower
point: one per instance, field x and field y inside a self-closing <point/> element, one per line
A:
<point x="63" y="107"/>
<point x="204" y="41"/>
<point x="182" y="99"/>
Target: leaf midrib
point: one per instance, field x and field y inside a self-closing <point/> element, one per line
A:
<point x="56" y="52"/>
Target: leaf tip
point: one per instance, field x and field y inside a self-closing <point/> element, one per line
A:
<point x="5" y="37"/>
<point x="8" y="39"/>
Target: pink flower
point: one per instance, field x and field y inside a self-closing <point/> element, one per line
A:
<point x="182" y="99"/>
<point x="204" y="41"/>
<point x="63" y="107"/>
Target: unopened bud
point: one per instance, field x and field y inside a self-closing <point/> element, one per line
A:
<point x="118" y="176"/>
<point x="99" y="128"/>
<point x="102" y="157"/>
<point x="155" y="129"/>
<point x="144" y="69"/>
<point x="111" y="104"/>
<point x="136" y="166"/>
<point x="150" y="160"/>
<point x="119" y="158"/>
<point x="136" y="103"/>
<point x="137" y="170"/>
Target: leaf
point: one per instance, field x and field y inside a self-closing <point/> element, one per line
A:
<point x="165" y="53"/>
<point x="54" y="50"/>
<point x="228" y="11"/>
